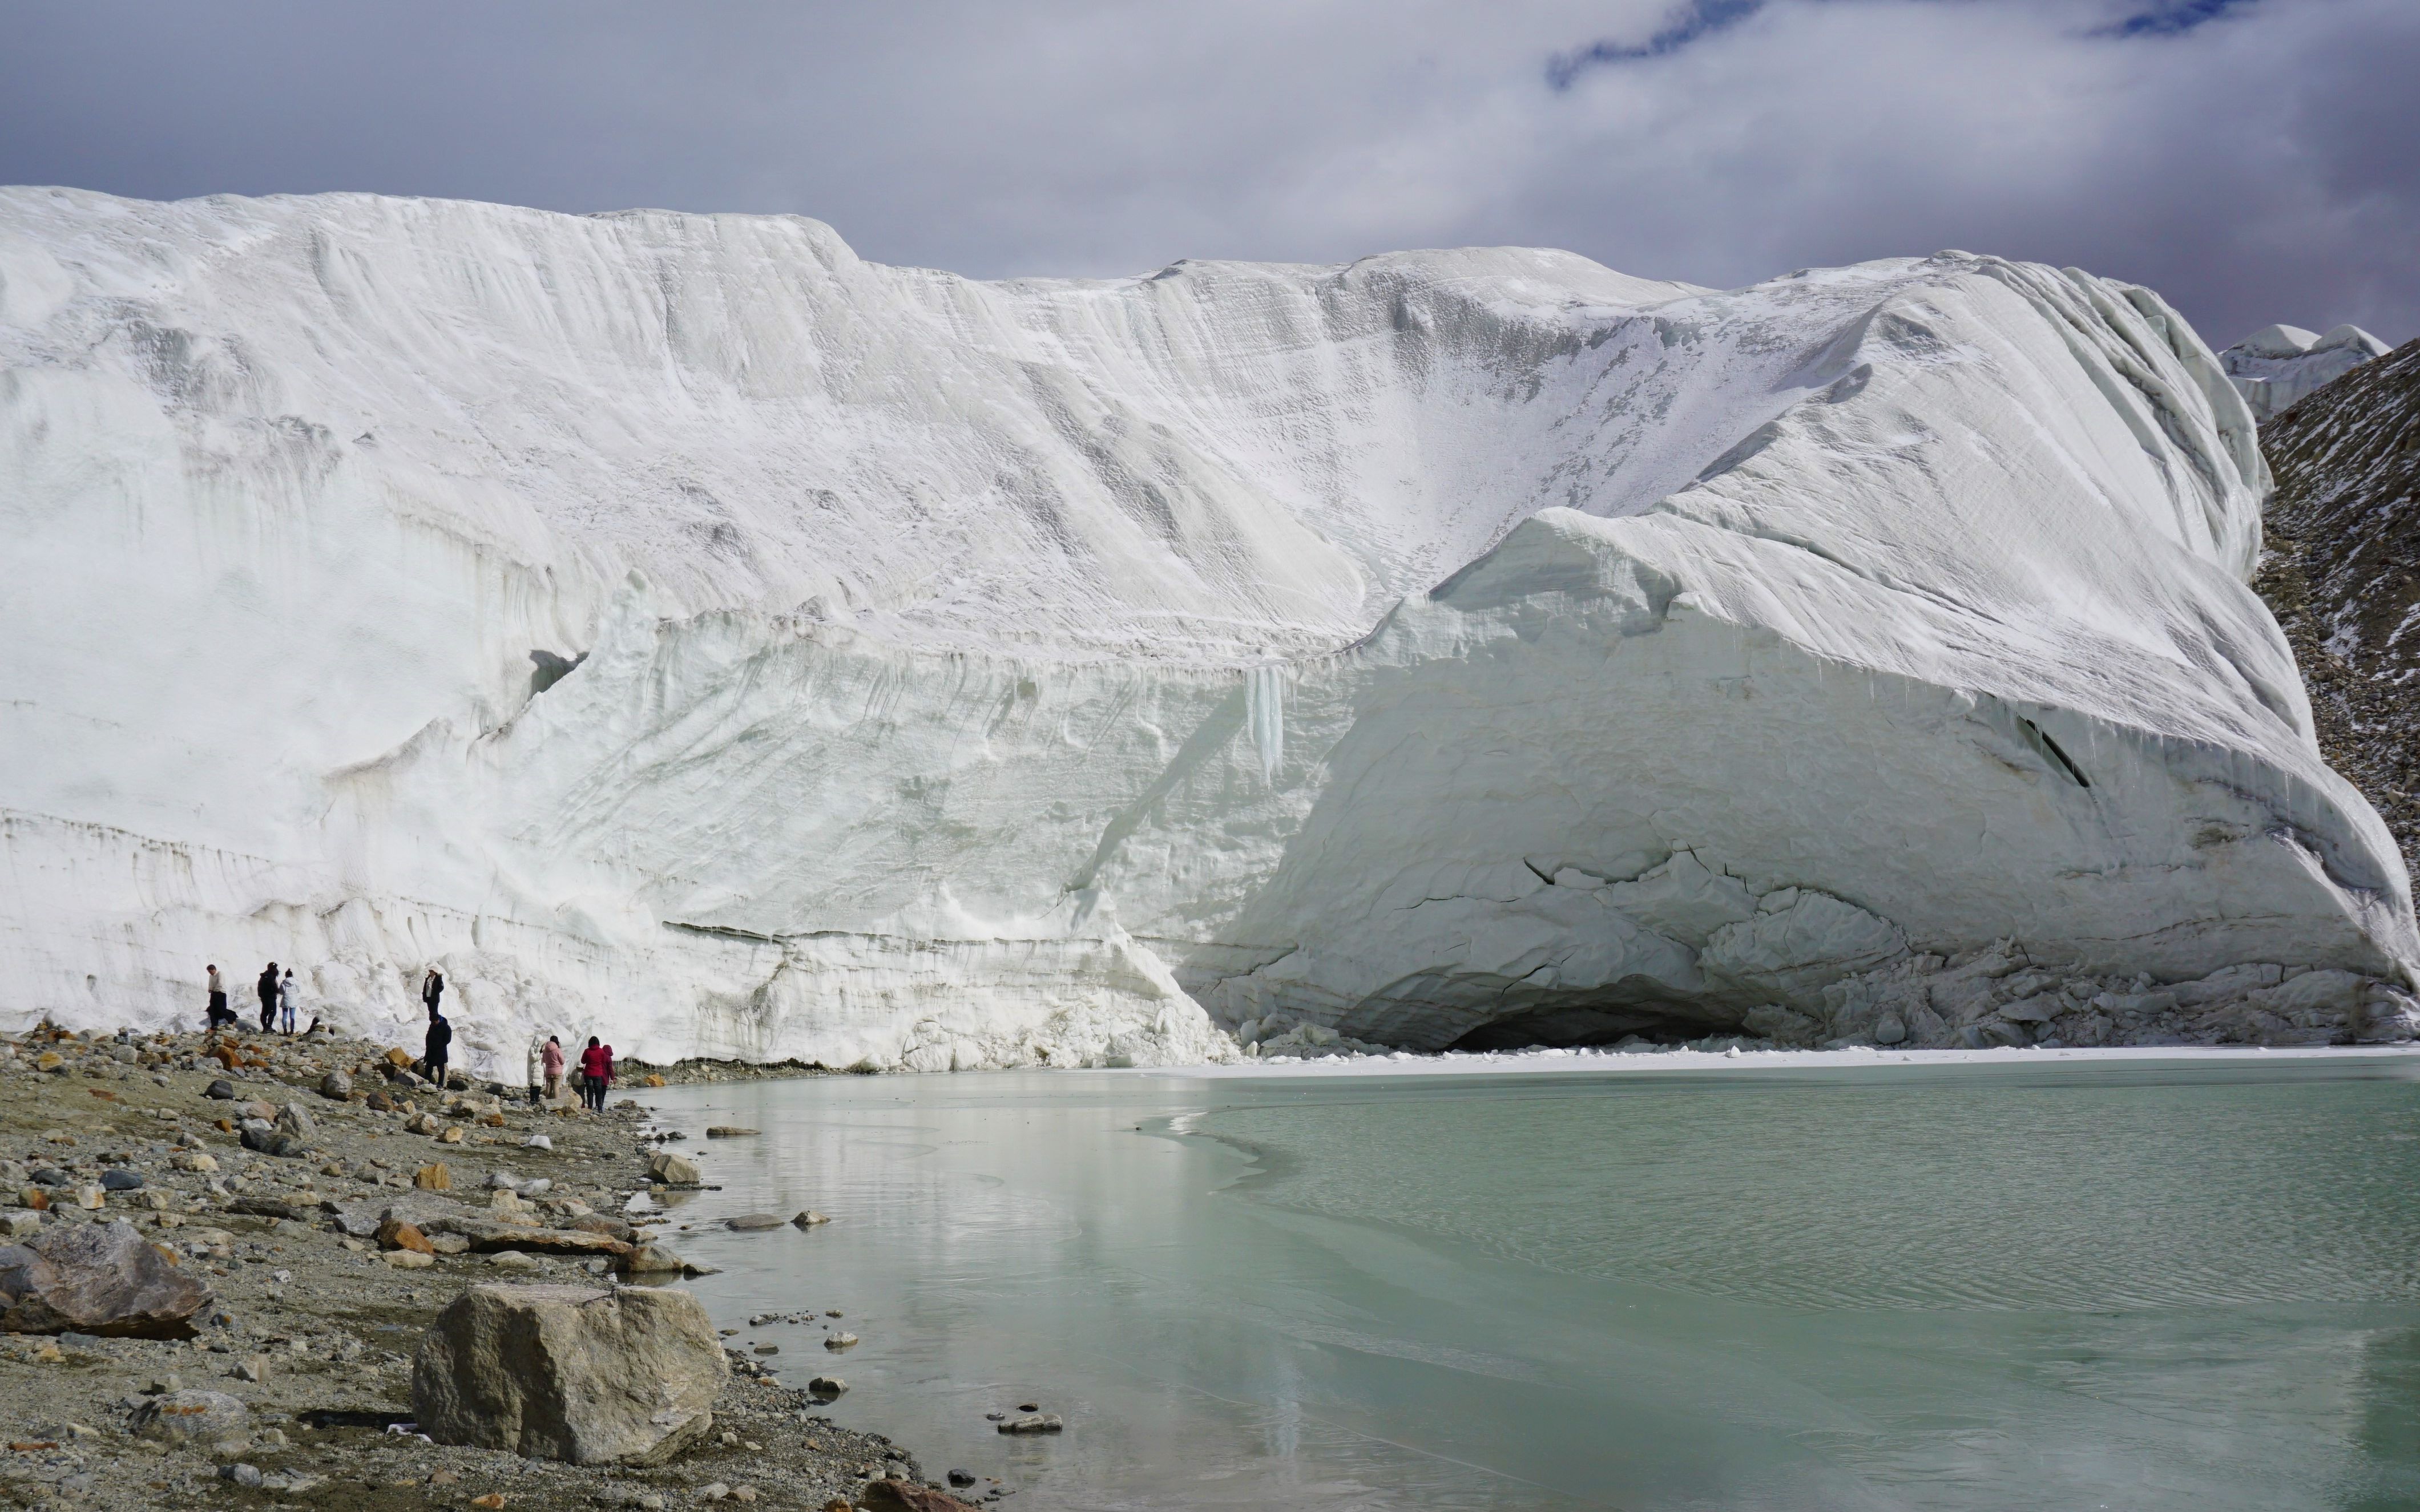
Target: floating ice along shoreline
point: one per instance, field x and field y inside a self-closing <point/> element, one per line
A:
<point x="1449" y="646"/>
<point x="2275" y="367"/>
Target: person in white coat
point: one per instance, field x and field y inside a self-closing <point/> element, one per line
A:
<point x="289" y="997"/>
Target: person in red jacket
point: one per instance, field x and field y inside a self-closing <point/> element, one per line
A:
<point x="596" y="1073"/>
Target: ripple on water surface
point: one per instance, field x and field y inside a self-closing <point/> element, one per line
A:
<point x="1920" y="1192"/>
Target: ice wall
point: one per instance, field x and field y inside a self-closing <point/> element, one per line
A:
<point x="997" y="673"/>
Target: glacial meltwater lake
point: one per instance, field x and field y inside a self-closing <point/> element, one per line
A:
<point x="2050" y="1285"/>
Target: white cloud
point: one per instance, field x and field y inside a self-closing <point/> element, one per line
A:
<point x="2256" y="166"/>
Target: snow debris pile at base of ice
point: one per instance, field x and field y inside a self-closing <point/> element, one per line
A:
<point x="677" y="629"/>
<point x="2275" y="367"/>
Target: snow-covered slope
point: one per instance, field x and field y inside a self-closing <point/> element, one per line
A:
<point x="2276" y="366"/>
<point x="982" y="673"/>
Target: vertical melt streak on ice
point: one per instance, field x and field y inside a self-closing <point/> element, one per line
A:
<point x="1264" y="715"/>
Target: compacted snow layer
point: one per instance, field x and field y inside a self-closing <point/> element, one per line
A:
<point x="679" y="630"/>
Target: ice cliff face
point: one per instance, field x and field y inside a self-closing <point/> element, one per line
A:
<point x="941" y="674"/>
<point x="2276" y="366"/>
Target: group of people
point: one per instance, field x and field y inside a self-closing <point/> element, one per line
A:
<point x="279" y="997"/>
<point x="594" y="1077"/>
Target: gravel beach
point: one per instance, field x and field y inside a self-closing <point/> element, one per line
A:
<point x="312" y="1322"/>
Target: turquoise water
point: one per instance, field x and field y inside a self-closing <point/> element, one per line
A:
<point x="1960" y="1286"/>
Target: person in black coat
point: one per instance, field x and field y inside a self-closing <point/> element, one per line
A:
<point x="432" y="988"/>
<point x="268" y="986"/>
<point x="441" y="1040"/>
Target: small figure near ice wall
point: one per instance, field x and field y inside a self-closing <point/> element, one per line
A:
<point x="550" y="1063"/>
<point x="267" y="987"/>
<point x="434" y="1049"/>
<point x="286" y="994"/>
<point x="218" y="1016"/>
<point x="432" y="990"/>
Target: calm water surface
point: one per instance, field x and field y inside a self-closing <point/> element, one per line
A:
<point x="1960" y="1287"/>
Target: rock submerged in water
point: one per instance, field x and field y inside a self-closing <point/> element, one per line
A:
<point x="97" y="1278"/>
<point x="572" y="1373"/>
<point x="750" y="1222"/>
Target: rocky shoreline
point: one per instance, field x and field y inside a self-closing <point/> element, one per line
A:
<point x="288" y="1193"/>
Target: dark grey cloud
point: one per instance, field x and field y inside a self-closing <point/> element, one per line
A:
<point x="2251" y="158"/>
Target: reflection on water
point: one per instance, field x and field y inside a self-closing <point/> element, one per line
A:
<point x="1975" y="1286"/>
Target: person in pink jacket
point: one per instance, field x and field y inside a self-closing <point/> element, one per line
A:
<point x="551" y="1062"/>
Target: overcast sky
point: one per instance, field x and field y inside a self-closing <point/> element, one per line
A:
<point x="2253" y="159"/>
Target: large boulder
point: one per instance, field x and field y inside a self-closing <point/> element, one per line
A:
<point x="97" y="1278"/>
<point x="671" y="1170"/>
<point x="572" y="1373"/>
<point x="195" y="1417"/>
<point x="271" y="1138"/>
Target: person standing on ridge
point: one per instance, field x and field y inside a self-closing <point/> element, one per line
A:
<point x="551" y="1062"/>
<point x="596" y="1072"/>
<point x="218" y="1014"/>
<point x="433" y="1051"/>
<point x="286" y="995"/>
<point x="432" y="988"/>
<point x="268" y="986"/>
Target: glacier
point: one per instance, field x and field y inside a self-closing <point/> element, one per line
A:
<point x="677" y="628"/>
<point x="2276" y="367"/>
